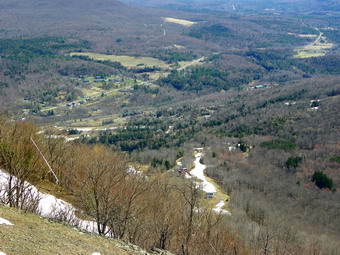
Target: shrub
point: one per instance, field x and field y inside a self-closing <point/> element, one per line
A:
<point x="315" y="104"/>
<point x="74" y="132"/>
<point x="167" y="164"/>
<point x="243" y="147"/>
<point x="278" y="145"/>
<point x="293" y="162"/>
<point x="336" y="159"/>
<point x="322" y="180"/>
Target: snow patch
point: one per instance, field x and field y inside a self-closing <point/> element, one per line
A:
<point x="198" y="172"/>
<point x="5" y="222"/>
<point x="64" y="137"/>
<point x="187" y="176"/>
<point x="48" y="206"/>
<point x="133" y="170"/>
<point x="2" y="253"/>
<point x="104" y="129"/>
<point x="218" y="208"/>
<point x="83" y="129"/>
<point x="205" y="185"/>
<point x="95" y="253"/>
<point x="71" y="138"/>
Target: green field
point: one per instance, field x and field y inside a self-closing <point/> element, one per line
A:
<point x="318" y="48"/>
<point x="127" y="61"/>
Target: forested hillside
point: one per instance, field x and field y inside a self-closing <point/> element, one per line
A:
<point x="137" y="108"/>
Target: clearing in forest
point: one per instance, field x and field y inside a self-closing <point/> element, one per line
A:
<point x="317" y="48"/>
<point x="183" y="22"/>
<point x="127" y="61"/>
<point x="304" y="35"/>
<point x="208" y="185"/>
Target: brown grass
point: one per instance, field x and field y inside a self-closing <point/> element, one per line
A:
<point x="32" y="234"/>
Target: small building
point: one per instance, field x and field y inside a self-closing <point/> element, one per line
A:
<point x="209" y="195"/>
<point x="182" y="170"/>
<point x="260" y="86"/>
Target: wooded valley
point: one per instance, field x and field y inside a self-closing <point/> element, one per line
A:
<point x="122" y="96"/>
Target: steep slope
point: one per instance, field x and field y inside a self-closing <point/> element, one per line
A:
<point x="31" y="234"/>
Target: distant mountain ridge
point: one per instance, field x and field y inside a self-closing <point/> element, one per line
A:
<point x="231" y="5"/>
<point x="60" y="3"/>
<point x="69" y="18"/>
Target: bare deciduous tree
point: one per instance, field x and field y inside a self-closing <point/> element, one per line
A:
<point x="97" y="175"/>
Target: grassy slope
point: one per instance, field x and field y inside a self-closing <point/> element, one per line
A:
<point x="32" y="234"/>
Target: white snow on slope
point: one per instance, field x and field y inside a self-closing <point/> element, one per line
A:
<point x="218" y="208"/>
<point x="49" y="206"/>
<point x="133" y="170"/>
<point x="5" y="222"/>
<point x="198" y="172"/>
<point x="2" y="253"/>
<point x="83" y="129"/>
<point x="205" y="185"/>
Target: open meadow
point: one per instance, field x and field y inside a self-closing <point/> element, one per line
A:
<point x="127" y="61"/>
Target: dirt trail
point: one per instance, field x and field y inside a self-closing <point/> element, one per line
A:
<point x="317" y="40"/>
<point x="191" y="63"/>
